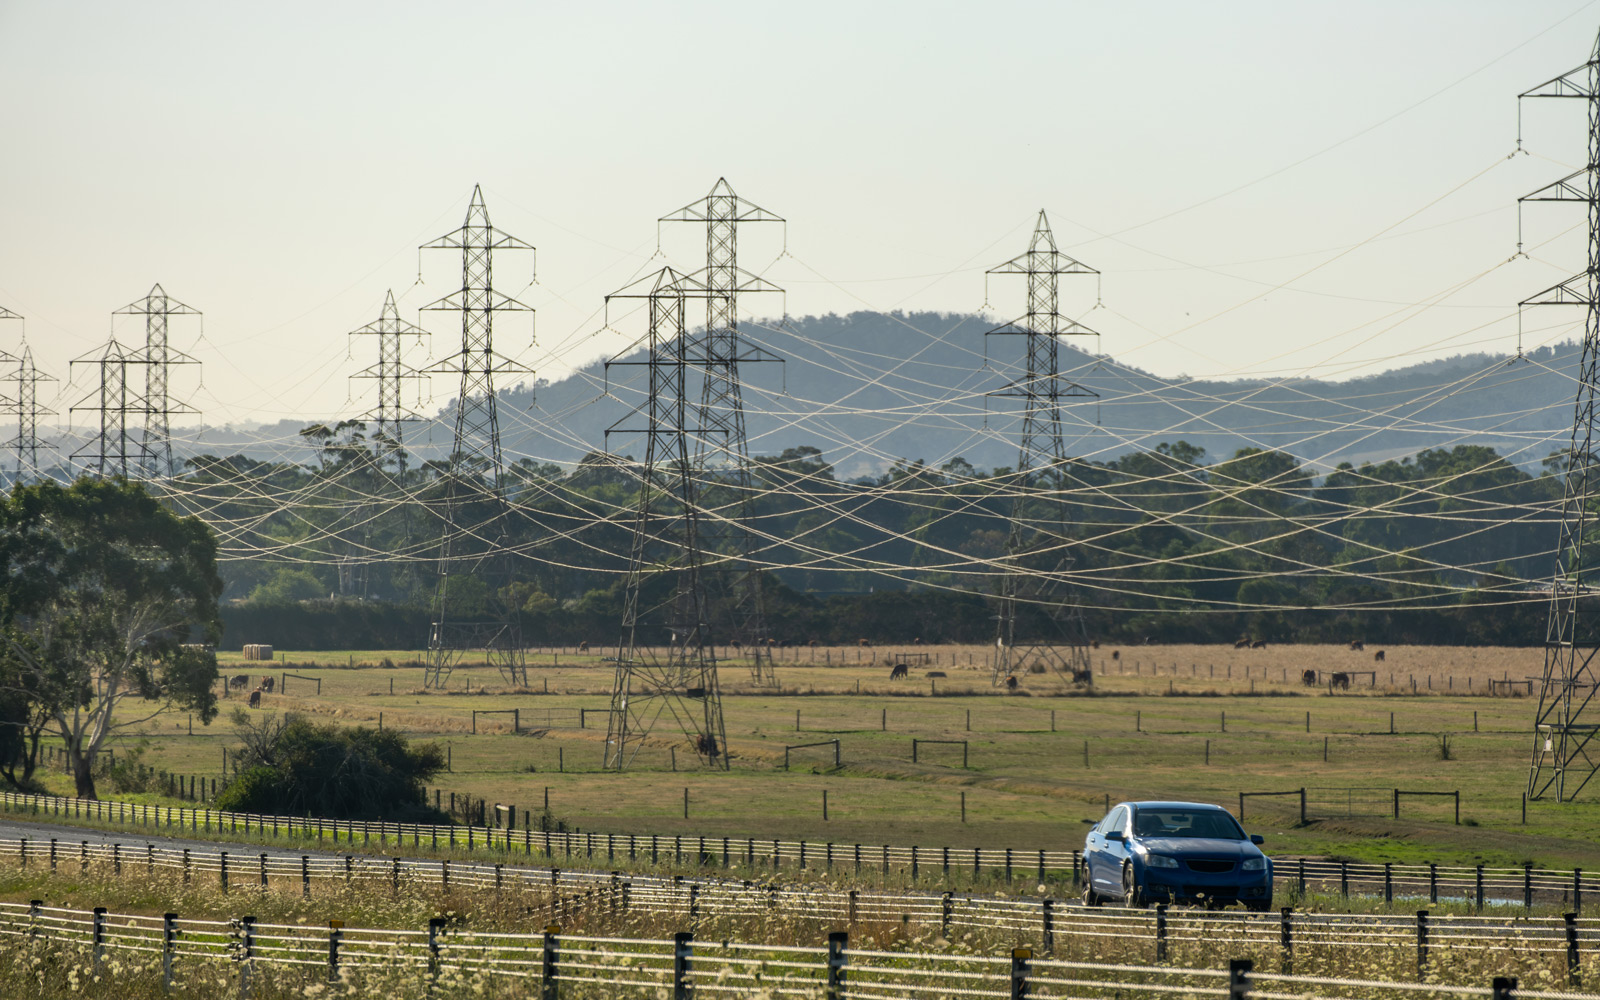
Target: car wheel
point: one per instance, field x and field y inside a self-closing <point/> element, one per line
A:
<point x="1131" y="894"/>
<point x="1090" y="897"/>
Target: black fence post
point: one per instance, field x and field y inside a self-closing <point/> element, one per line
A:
<point x="1344" y="879"/>
<point x="946" y="907"/>
<point x="1503" y="987"/>
<point x="1047" y="936"/>
<point x="1388" y="883"/>
<point x="1527" y="885"/>
<point x="1433" y="882"/>
<point x="435" y="928"/>
<point x="1301" y="880"/>
<point x="1239" y="978"/>
<point x="335" y="935"/>
<point x="305" y="876"/>
<point x="1019" y="972"/>
<point x="682" y="964"/>
<point x="99" y="939"/>
<point x="1422" y="945"/>
<point x="1161" y="932"/>
<point x="247" y="953"/>
<point x="838" y="941"/>
<point x="1480" y="889"/>
<point x="1574" y="975"/>
<point x="1286" y="940"/>
<point x="547" y="981"/>
<point x="1577" y="890"/>
<point x="169" y="945"/>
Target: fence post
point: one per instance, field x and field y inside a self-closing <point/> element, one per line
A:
<point x="683" y="964"/>
<point x="547" y="982"/>
<point x="169" y="944"/>
<point x="1286" y="940"/>
<point x="1019" y="972"/>
<point x="247" y="947"/>
<point x="1388" y="883"/>
<point x="263" y="861"/>
<point x="1344" y="879"/>
<point x="1574" y="975"/>
<point x="222" y="873"/>
<point x="1480" y="888"/>
<point x="305" y="875"/>
<point x="1433" y="882"/>
<point x="946" y="907"/>
<point x="99" y="939"/>
<point x="1527" y="885"/>
<point x="1303" y="796"/>
<point x="1302" y="877"/>
<point x="1239" y="978"/>
<point x="1422" y="945"/>
<point x="1577" y="890"/>
<point x="435" y="926"/>
<point x="1161" y="932"/>
<point x="838" y="941"/>
<point x="1047" y="936"/>
<point x="1503" y="987"/>
<point x="335" y="934"/>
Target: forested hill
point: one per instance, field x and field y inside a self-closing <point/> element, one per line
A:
<point x="870" y="388"/>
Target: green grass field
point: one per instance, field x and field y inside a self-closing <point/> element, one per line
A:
<point x="1041" y="762"/>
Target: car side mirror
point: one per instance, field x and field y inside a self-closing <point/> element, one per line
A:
<point x="1257" y="839"/>
<point x="1115" y="835"/>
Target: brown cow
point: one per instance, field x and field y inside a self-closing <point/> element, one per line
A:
<point x="899" y="671"/>
<point x="706" y="744"/>
<point x="1259" y="644"/>
<point x="1011" y="683"/>
<point x="583" y="647"/>
<point x="1241" y="644"/>
<point x="1339" y="680"/>
<point x="1377" y="657"/>
<point x="1358" y="646"/>
<point x="812" y="644"/>
<point x="917" y="641"/>
<point x="267" y="684"/>
<point x="864" y="644"/>
<point x="255" y="698"/>
<point x="1082" y="677"/>
<point x="1309" y="678"/>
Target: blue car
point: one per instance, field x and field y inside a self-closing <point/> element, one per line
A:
<point x="1175" y="852"/>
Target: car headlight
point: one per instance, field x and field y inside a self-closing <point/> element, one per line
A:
<point x="1254" y="865"/>
<point x="1161" y="861"/>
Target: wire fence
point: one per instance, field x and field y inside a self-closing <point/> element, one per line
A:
<point x="1479" y="885"/>
<point x="580" y="966"/>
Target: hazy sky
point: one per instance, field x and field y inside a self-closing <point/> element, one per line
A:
<point x="1269" y="188"/>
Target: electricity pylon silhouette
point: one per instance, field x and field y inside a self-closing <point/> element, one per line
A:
<point x="391" y="373"/>
<point x="115" y="451"/>
<point x="1565" y="722"/>
<point x="721" y="417"/>
<point x="24" y="403"/>
<point x="157" y="308"/>
<point x="665" y="606"/>
<point x="477" y="468"/>
<point x="1037" y="557"/>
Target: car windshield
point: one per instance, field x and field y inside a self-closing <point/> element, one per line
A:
<point x="1209" y="823"/>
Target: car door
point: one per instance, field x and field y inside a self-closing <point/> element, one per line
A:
<point x="1102" y="855"/>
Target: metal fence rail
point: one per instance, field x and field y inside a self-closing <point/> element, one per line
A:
<point x="581" y="966"/>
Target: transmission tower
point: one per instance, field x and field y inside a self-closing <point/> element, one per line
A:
<point x="117" y="450"/>
<point x="1565" y="725"/>
<point x="721" y="414"/>
<point x="475" y="454"/>
<point x="1036" y="559"/>
<point x="24" y="404"/>
<point x="157" y="308"/>
<point x="666" y="598"/>
<point x="391" y="374"/>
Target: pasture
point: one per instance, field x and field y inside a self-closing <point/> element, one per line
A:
<point x="1201" y="722"/>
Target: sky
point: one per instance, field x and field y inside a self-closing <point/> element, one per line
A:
<point x="1268" y="189"/>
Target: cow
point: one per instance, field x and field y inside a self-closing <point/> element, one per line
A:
<point x="1377" y="657"/>
<point x="1082" y="677"/>
<point x="706" y="744"/>
<point x="1095" y="644"/>
<point x="772" y="643"/>
<point x="255" y="698"/>
<point x="738" y="646"/>
<point x="1309" y="678"/>
<point x="864" y="644"/>
<point x="1357" y="646"/>
<point x="812" y="644"/>
<point x="239" y="681"/>
<point x="1116" y="654"/>
<point x="583" y="647"/>
<point x="1339" y="680"/>
<point x="1011" y="683"/>
<point x="934" y="673"/>
<point x="1259" y="644"/>
<point x="917" y="641"/>
<point x="267" y="684"/>
<point x="899" y="671"/>
<point x="1241" y="644"/>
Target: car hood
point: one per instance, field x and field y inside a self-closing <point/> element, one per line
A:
<point x="1201" y="847"/>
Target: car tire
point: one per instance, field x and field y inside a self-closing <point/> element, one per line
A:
<point x="1131" y="893"/>
<point x="1090" y="897"/>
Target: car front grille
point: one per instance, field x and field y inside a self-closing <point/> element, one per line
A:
<point x="1208" y="866"/>
<point x="1211" y="891"/>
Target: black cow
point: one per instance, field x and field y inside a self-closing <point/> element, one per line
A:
<point x="899" y="671"/>
<point x="1309" y="678"/>
<point x="1339" y="680"/>
<point x="255" y="698"/>
<point x="1377" y="657"/>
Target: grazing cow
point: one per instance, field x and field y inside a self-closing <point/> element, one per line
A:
<point x="1095" y="644"/>
<point x="1339" y="680"/>
<point x="255" y="698"/>
<point x="1259" y="644"/>
<point x="583" y="647"/>
<point x="1241" y="644"/>
<point x="706" y="744"/>
<point x="934" y="673"/>
<point x="1082" y="677"/>
<point x="917" y="641"/>
<point x="1116" y="654"/>
<point x="1358" y="646"/>
<point x="1011" y="683"/>
<point x="737" y="645"/>
<point x="1377" y="657"/>
<point x="1309" y="678"/>
<point x="771" y="643"/>
<point x="812" y="644"/>
<point x="239" y="681"/>
<point x="268" y="683"/>
<point x="864" y="644"/>
<point x="899" y="671"/>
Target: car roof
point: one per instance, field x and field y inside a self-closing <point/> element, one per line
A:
<point x="1175" y="805"/>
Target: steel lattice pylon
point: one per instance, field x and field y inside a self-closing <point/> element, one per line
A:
<point x="24" y="406"/>
<point x="475" y="454"/>
<point x="721" y="416"/>
<point x="115" y="451"/>
<point x="1565" y="723"/>
<point x="665" y="587"/>
<point x="157" y="308"/>
<point x="1037" y="558"/>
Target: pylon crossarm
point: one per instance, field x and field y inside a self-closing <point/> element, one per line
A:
<point x="1568" y="84"/>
